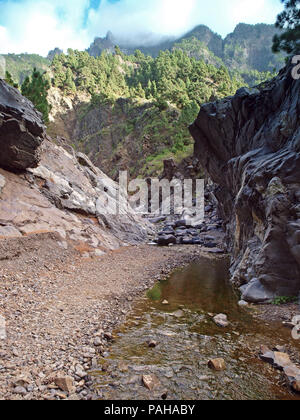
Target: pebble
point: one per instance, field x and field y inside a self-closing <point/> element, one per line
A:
<point x="217" y="364"/>
<point x="221" y="320"/>
<point x="65" y="383"/>
<point x="108" y="336"/>
<point x="97" y="342"/>
<point x="20" y="390"/>
<point x="150" y="382"/>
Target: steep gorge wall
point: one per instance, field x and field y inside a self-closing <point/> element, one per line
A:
<point x="46" y="190"/>
<point x="129" y="134"/>
<point x="250" y="146"/>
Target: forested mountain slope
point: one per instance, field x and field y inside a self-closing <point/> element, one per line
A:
<point x="248" y="48"/>
<point x="21" y="65"/>
<point x="132" y="112"/>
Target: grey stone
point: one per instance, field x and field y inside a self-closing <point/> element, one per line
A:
<point x="255" y="292"/>
<point x="243" y="303"/>
<point x="221" y="320"/>
<point x="166" y="240"/>
<point x="20" y="390"/>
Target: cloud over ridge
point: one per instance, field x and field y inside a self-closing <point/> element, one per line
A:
<point x="40" y="25"/>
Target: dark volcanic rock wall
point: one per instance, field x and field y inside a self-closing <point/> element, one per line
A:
<point x="21" y="130"/>
<point x="250" y="146"/>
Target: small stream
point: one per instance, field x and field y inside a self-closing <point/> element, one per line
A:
<point x="188" y="338"/>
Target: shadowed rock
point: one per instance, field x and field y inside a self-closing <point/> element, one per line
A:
<point x="21" y="130"/>
<point x="249" y="144"/>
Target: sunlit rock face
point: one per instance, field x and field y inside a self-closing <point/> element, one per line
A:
<point x="250" y="146"/>
<point x="45" y="189"/>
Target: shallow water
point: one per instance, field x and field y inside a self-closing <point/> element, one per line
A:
<point x="187" y="338"/>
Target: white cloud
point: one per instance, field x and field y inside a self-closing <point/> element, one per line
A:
<point x="175" y="17"/>
<point x="40" y="25"/>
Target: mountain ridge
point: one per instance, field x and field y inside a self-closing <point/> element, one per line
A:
<point x="247" y="48"/>
<point x="235" y="50"/>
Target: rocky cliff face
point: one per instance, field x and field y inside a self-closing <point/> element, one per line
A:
<point x="18" y="120"/>
<point x="250" y="146"/>
<point x="250" y="47"/>
<point x="130" y="134"/>
<point x="55" y="191"/>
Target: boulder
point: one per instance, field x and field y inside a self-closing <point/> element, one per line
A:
<point x="281" y="360"/>
<point x="21" y="130"/>
<point x="249" y="145"/>
<point x="291" y="372"/>
<point x="187" y="241"/>
<point x="255" y="292"/>
<point x="166" y="240"/>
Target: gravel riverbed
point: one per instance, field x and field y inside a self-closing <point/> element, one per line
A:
<point x="58" y="310"/>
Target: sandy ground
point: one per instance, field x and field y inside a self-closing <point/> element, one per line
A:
<point x="60" y="308"/>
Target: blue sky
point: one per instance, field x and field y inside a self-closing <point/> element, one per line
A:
<point x="40" y="25"/>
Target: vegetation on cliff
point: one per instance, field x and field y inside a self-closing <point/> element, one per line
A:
<point x="35" y="88"/>
<point x="164" y="90"/>
<point x="172" y="76"/>
<point x="21" y="66"/>
<point x="140" y="106"/>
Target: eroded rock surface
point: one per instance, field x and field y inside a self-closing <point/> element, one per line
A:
<point x="21" y="130"/>
<point x="250" y="146"/>
<point x="56" y="191"/>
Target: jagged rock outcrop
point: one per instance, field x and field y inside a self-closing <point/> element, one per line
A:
<point x="57" y="191"/>
<point x="21" y="130"/>
<point x="250" y="146"/>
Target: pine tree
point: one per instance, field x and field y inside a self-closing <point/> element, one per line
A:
<point x="288" y="20"/>
<point x="69" y="84"/>
<point x="149" y="90"/>
<point x="140" y="91"/>
<point x="8" y="79"/>
<point x="36" y="90"/>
